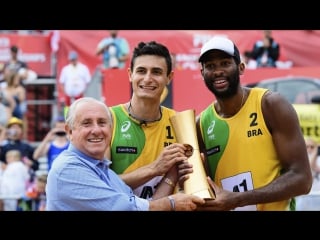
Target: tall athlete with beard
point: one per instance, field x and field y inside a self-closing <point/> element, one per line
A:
<point x="143" y="145"/>
<point x="253" y="145"/>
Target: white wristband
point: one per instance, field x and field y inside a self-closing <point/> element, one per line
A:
<point x="172" y="203"/>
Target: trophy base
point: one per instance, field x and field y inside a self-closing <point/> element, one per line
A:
<point x="205" y="194"/>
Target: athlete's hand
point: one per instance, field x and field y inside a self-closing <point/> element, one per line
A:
<point x="224" y="200"/>
<point x="170" y="155"/>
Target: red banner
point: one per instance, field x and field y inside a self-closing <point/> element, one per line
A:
<point x="35" y="50"/>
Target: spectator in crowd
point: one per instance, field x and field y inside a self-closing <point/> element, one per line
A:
<point x="6" y="108"/>
<point x="114" y="49"/>
<point x="35" y="196"/>
<point x="18" y="92"/>
<point x="14" y="64"/>
<point x="310" y="201"/>
<point x="143" y="121"/>
<point x="312" y="149"/>
<point x="14" y="180"/>
<point x="250" y="137"/>
<point x="27" y="75"/>
<point x="81" y="178"/>
<point x="266" y="51"/>
<point x="74" y="78"/>
<point x="14" y="141"/>
<point x="7" y="99"/>
<point x="54" y="142"/>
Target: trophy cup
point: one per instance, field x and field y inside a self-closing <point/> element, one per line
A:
<point x="184" y="126"/>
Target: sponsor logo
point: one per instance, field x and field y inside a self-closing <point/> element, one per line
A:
<point x="125" y="126"/>
<point x="130" y="150"/>
<point x="213" y="150"/>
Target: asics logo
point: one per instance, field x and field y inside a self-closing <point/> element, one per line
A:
<point x="125" y="126"/>
<point x="211" y="127"/>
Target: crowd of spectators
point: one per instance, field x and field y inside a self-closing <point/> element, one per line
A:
<point x="18" y="168"/>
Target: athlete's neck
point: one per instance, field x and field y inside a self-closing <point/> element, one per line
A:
<point x="228" y="109"/>
<point x="142" y="120"/>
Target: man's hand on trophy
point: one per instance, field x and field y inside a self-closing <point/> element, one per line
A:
<point x="224" y="200"/>
<point x="170" y="155"/>
<point x="185" y="167"/>
<point x="185" y="202"/>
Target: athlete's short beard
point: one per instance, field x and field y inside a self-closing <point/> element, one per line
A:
<point x="234" y="81"/>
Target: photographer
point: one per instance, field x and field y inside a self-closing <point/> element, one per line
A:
<point x="114" y="50"/>
<point x="54" y="142"/>
<point x="266" y="52"/>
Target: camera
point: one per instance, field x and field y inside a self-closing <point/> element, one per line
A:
<point x="60" y="133"/>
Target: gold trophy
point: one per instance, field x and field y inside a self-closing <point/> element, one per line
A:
<point x="184" y="125"/>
